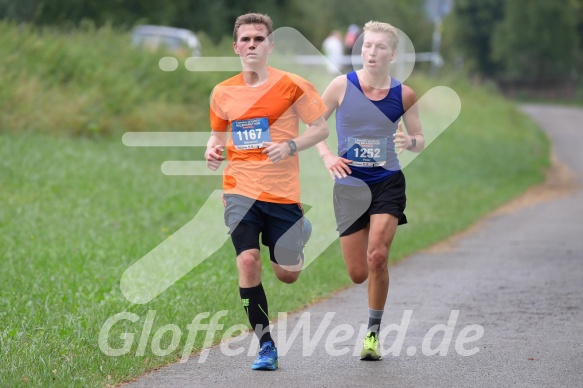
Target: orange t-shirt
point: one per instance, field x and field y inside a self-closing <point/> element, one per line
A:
<point x="255" y="114"/>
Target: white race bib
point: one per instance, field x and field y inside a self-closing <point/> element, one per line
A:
<point x="367" y="152"/>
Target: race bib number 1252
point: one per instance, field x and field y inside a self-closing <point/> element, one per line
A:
<point x="367" y="152"/>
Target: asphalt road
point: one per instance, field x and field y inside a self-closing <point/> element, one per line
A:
<point x="509" y="295"/>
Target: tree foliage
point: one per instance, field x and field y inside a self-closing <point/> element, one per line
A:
<point x="497" y="38"/>
<point x="314" y="18"/>
<point x="214" y="17"/>
<point x="538" y="40"/>
<point x="518" y="39"/>
<point x="473" y="24"/>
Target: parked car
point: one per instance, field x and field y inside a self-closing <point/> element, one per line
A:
<point x="177" y="40"/>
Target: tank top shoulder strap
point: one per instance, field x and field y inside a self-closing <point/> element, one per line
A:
<point x="395" y="91"/>
<point x="395" y="82"/>
<point x="353" y="78"/>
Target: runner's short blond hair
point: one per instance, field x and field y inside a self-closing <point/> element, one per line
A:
<point x="374" y="26"/>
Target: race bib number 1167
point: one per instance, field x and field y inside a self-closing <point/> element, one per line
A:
<point x="250" y="134"/>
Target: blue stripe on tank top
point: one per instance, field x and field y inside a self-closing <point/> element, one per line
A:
<point x="358" y="116"/>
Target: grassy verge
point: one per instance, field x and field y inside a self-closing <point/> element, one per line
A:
<point x="92" y="83"/>
<point x="77" y="211"/>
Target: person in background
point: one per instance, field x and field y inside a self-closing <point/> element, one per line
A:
<point x="352" y="34"/>
<point x="333" y="48"/>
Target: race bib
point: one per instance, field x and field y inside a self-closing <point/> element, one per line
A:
<point x="250" y="134"/>
<point x="367" y="152"/>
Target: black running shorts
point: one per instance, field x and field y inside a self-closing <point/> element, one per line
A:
<point x="277" y="223"/>
<point x="353" y="205"/>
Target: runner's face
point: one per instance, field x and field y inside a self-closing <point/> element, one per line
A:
<point x="377" y="53"/>
<point x="252" y="44"/>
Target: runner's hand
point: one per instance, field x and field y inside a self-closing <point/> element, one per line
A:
<point x="276" y="151"/>
<point x="214" y="157"/>
<point x="401" y="139"/>
<point x="337" y="166"/>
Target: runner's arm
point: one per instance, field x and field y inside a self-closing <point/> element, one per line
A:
<point x="315" y="132"/>
<point x="412" y="121"/>
<point x="331" y="98"/>
<point x="214" y="149"/>
<point x="333" y="95"/>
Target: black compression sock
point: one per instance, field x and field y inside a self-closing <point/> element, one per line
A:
<point x="255" y="304"/>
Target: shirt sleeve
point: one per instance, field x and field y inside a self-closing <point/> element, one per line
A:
<point x="218" y="119"/>
<point x="307" y="101"/>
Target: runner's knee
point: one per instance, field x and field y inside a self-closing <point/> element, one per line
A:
<point x="358" y="275"/>
<point x="288" y="277"/>
<point x="377" y="259"/>
<point x="248" y="262"/>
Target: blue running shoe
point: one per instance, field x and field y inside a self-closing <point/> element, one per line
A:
<point x="267" y="358"/>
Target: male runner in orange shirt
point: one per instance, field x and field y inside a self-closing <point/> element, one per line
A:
<point x="262" y="107"/>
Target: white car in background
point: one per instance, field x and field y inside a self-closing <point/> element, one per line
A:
<point x="177" y="40"/>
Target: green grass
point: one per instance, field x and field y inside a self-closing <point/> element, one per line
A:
<point x="76" y="211"/>
<point x="92" y="83"/>
<point x="577" y="102"/>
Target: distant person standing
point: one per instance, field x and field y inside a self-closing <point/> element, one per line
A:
<point x="333" y="48"/>
<point x="352" y="34"/>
